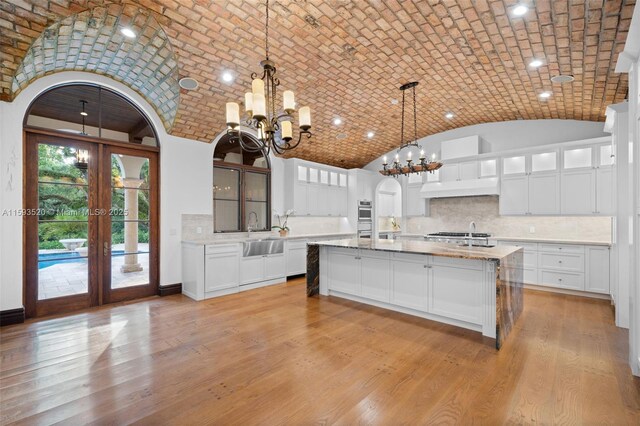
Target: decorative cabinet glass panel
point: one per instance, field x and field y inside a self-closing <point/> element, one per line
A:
<point x="334" y="178"/>
<point x="606" y="158"/>
<point x="488" y="168"/>
<point x="544" y="162"/>
<point x="302" y="173"/>
<point x="324" y="177"/>
<point x="313" y="175"/>
<point x="514" y="165"/>
<point x="343" y="180"/>
<point x="578" y="158"/>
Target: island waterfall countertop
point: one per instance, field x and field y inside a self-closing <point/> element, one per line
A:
<point x="481" y="288"/>
<point x="424" y="247"/>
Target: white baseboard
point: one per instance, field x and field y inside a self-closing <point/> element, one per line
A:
<point x="566" y="291"/>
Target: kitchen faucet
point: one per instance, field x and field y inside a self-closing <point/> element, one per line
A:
<point x="472" y="229"/>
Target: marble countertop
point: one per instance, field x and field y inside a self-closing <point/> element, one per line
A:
<point x="424" y="247"/>
<point x="531" y="239"/>
<point x="553" y="241"/>
<point x="265" y="235"/>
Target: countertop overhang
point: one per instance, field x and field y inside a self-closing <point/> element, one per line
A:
<point x="423" y="247"/>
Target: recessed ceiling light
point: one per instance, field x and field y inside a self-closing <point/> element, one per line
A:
<point x="535" y="63"/>
<point x="188" y="83"/>
<point x="394" y="102"/>
<point x="337" y="121"/>
<point x="519" y="10"/>
<point x="227" y="77"/>
<point x="449" y="115"/>
<point x="545" y="95"/>
<point x="370" y="135"/>
<point x="128" y="32"/>
<point x="562" y="78"/>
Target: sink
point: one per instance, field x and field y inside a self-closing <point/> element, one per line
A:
<point x="475" y="245"/>
<point x="262" y="247"/>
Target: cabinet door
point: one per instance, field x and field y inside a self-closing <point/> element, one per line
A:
<point x="375" y="279"/>
<point x="409" y="284"/>
<point x="333" y="201"/>
<point x="317" y="200"/>
<point x="296" y="260"/>
<point x="544" y="193"/>
<point x="221" y="271"/>
<point x="456" y="293"/>
<point x="344" y="271"/>
<point x="300" y="199"/>
<point x="597" y="279"/>
<point x="415" y="203"/>
<point x="252" y="269"/>
<point x="514" y="196"/>
<point x="449" y="173"/>
<point x="468" y="170"/>
<point x="578" y="192"/>
<point x="274" y="266"/>
<point x="343" y="201"/>
<point x="604" y="191"/>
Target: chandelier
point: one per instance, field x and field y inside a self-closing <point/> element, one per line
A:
<point x="397" y="168"/>
<point x="273" y="127"/>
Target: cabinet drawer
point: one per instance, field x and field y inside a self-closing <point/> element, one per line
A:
<point x="296" y="244"/>
<point x="457" y="263"/>
<point x="561" y="248"/>
<point x="410" y="257"/>
<point x="563" y="262"/>
<point x="528" y="247"/>
<point x="371" y="254"/>
<point x="530" y="276"/>
<point x="562" y="279"/>
<point x="221" y="248"/>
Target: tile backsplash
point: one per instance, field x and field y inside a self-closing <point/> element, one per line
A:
<point x="297" y="225"/>
<point x="454" y="214"/>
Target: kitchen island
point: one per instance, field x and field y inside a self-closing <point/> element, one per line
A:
<point x="478" y="288"/>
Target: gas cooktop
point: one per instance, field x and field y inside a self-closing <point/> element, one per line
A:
<point x="459" y="234"/>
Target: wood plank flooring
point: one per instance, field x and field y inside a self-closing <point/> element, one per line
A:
<point x="274" y="356"/>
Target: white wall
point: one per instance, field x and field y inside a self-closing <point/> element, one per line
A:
<point x="185" y="183"/>
<point x="506" y="135"/>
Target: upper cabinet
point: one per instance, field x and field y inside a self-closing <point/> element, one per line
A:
<point x="530" y="184"/>
<point x="314" y="189"/>
<point x="587" y="180"/>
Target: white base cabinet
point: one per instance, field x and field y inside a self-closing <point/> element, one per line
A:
<point x="262" y="268"/>
<point x="296" y="257"/>
<point x="460" y="292"/>
<point x="574" y="267"/>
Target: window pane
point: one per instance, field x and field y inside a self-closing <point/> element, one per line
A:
<point x="256" y="212"/>
<point x="129" y="254"/>
<point x="255" y="186"/>
<point x="226" y="215"/>
<point x="57" y="164"/>
<point x="62" y="202"/>
<point x="226" y="184"/>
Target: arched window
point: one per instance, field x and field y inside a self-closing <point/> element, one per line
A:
<point x="90" y="110"/>
<point x="241" y="189"/>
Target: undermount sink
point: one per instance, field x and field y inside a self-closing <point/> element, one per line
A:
<point x="475" y="245"/>
<point x="262" y="247"/>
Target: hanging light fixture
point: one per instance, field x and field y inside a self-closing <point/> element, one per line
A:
<point x="82" y="155"/>
<point x="274" y="128"/>
<point x="423" y="165"/>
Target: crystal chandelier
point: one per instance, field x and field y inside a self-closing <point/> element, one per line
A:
<point x="273" y="127"/>
<point x="423" y="165"/>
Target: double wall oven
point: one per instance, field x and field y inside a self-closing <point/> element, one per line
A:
<point x="365" y="218"/>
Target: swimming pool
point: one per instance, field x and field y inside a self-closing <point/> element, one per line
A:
<point x="49" y="259"/>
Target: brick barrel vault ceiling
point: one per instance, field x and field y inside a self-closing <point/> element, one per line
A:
<point x="91" y="41"/>
<point x="347" y="58"/>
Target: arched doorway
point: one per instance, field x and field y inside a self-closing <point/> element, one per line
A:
<point x="388" y="206"/>
<point x="91" y="200"/>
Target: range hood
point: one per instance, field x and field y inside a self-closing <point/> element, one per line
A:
<point x="461" y="188"/>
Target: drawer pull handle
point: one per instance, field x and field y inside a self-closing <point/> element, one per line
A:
<point x="559" y="279"/>
<point x="559" y="261"/>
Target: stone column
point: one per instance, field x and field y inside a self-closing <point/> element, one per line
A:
<point x="131" y="228"/>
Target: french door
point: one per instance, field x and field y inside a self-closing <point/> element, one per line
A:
<point x="90" y="223"/>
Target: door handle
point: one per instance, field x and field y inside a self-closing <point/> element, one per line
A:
<point x="105" y="250"/>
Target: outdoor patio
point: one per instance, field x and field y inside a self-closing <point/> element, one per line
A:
<point x="66" y="279"/>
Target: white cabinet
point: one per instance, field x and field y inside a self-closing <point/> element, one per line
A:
<point x="313" y="189"/>
<point x="222" y="270"/>
<point x="409" y="282"/>
<point x="587" y="180"/>
<point x="344" y="272"/>
<point x="296" y="257"/>
<point x="374" y="270"/>
<point x="459" y="171"/>
<point x="530" y="184"/>
<point x="597" y="269"/>
<point x="262" y="268"/>
<point x="416" y="205"/>
<point x="455" y="292"/>
<point x="488" y="168"/>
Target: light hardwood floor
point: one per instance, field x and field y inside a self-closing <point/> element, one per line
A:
<point x="274" y="356"/>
